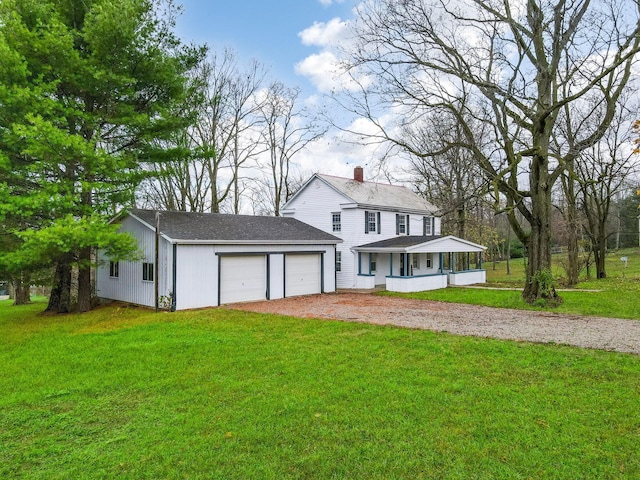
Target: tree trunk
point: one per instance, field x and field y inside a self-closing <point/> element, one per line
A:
<point x="539" y="283"/>
<point x="21" y="293"/>
<point x="60" y="298"/>
<point x="84" y="280"/>
<point x="573" y="262"/>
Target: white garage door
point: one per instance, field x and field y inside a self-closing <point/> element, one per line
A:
<point x="243" y="278"/>
<point x="302" y="274"/>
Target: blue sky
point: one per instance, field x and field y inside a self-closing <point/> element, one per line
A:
<point x="269" y="31"/>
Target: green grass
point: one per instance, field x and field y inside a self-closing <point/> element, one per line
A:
<point x="125" y="393"/>
<point x="615" y="296"/>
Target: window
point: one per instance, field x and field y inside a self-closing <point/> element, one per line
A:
<point x="415" y="261"/>
<point x="427" y="226"/>
<point x="335" y="221"/>
<point x="373" y="260"/>
<point x="371" y="222"/>
<point x="402" y="224"/>
<point x="429" y="260"/>
<point x="338" y="261"/>
<point x="147" y="272"/>
<point x="114" y="269"/>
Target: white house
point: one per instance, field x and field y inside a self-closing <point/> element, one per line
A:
<point x="211" y="259"/>
<point x="390" y="235"/>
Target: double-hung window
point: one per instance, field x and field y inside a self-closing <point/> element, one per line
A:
<point x="338" y="261"/>
<point x="147" y="272"/>
<point x="415" y="261"/>
<point x="429" y="260"/>
<point x="373" y="262"/>
<point x="336" y="222"/>
<point x="371" y="222"/>
<point x="402" y="224"/>
<point x="427" y="223"/>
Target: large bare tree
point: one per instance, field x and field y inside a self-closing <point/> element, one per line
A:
<point x="287" y="128"/>
<point x="514" y="66"/>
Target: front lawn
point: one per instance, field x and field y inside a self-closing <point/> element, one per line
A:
<point x="615" y="296"/>
<point x="125" y="393"/>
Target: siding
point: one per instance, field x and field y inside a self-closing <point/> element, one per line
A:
<point x="315" y="205"/>
<point x="129" y="286"/>
<point x="196" y="269"/>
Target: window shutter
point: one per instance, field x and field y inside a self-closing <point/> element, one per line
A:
<point x="408" y="223"/>
<point x="433" y="225"/>
<point x="397" y="224"/>
<point x="424" y="226"/>
<point x="366" y="222"/>
<point x="378" y="222"/>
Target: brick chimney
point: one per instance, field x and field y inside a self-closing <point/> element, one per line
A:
<point x="358" y="174"/>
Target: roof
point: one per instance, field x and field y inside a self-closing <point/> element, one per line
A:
<point x="226" y="228"/>
<point x="421" y="244"/>
<point x="379" y="194"/>
<point x="402" y="241"/>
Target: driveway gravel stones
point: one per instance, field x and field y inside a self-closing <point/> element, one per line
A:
<point x="461" y="319"/>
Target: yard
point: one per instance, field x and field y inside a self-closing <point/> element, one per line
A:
<point x="615" y="296"/>
<point x="126" y="393"/>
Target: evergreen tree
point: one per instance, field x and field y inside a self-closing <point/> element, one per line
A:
<point x="88" y="92"/>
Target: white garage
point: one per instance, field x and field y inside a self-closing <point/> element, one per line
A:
<point x="243" y="278"/>
<point x="303" y="274"/>
<point x="206" y="259"/>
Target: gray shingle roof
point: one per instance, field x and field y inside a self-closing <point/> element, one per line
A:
<point x="402" y="241"/>
<point x="379" y="194"/>
<point x="193" y="226"/>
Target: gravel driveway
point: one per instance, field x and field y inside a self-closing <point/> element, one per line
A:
<point x="580" y="331"/>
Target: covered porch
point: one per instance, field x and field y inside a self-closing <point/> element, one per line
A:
<point x="418" y="263"/>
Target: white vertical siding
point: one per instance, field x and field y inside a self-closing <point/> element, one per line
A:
<point x="129" y="286"/>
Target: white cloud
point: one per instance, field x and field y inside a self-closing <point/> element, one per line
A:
<point x="321" y="69"/>
<point x="326" y="3"/>
<point x="323" y="34"/>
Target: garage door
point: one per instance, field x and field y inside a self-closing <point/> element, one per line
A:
<point x="302" y="274"/>
<point x="243" y="278"/>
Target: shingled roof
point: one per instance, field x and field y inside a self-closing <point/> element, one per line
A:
<point x="226" y="228"/>
<point x="402" y="241"/>
<point x="379" y="194"/>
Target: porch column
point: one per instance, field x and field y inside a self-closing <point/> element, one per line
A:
<point x="452" y="258"/>
<point x="468" y="260"/>
<point x="406" y="265"/>
<point x="479" y="260"/>
<point x="391" y="264"/>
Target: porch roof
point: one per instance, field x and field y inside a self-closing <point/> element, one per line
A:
<point x="421" y="244"/>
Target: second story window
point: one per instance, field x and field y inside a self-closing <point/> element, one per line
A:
<point x="402" y="224"/>
<point x="427" y="226"/>
<point x="371" y="222"/>
<point x="335" y="222"/>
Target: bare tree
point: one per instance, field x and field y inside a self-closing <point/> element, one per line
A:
<point x="448" y="178"/>
<point x="287" y="129"/>
<point x="513" y="67"/>
<point x="603" y="173"/>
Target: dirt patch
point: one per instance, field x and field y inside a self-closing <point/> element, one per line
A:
<point x="461" y="319"/>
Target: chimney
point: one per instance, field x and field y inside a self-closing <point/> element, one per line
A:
<point x="358" y="174"/>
